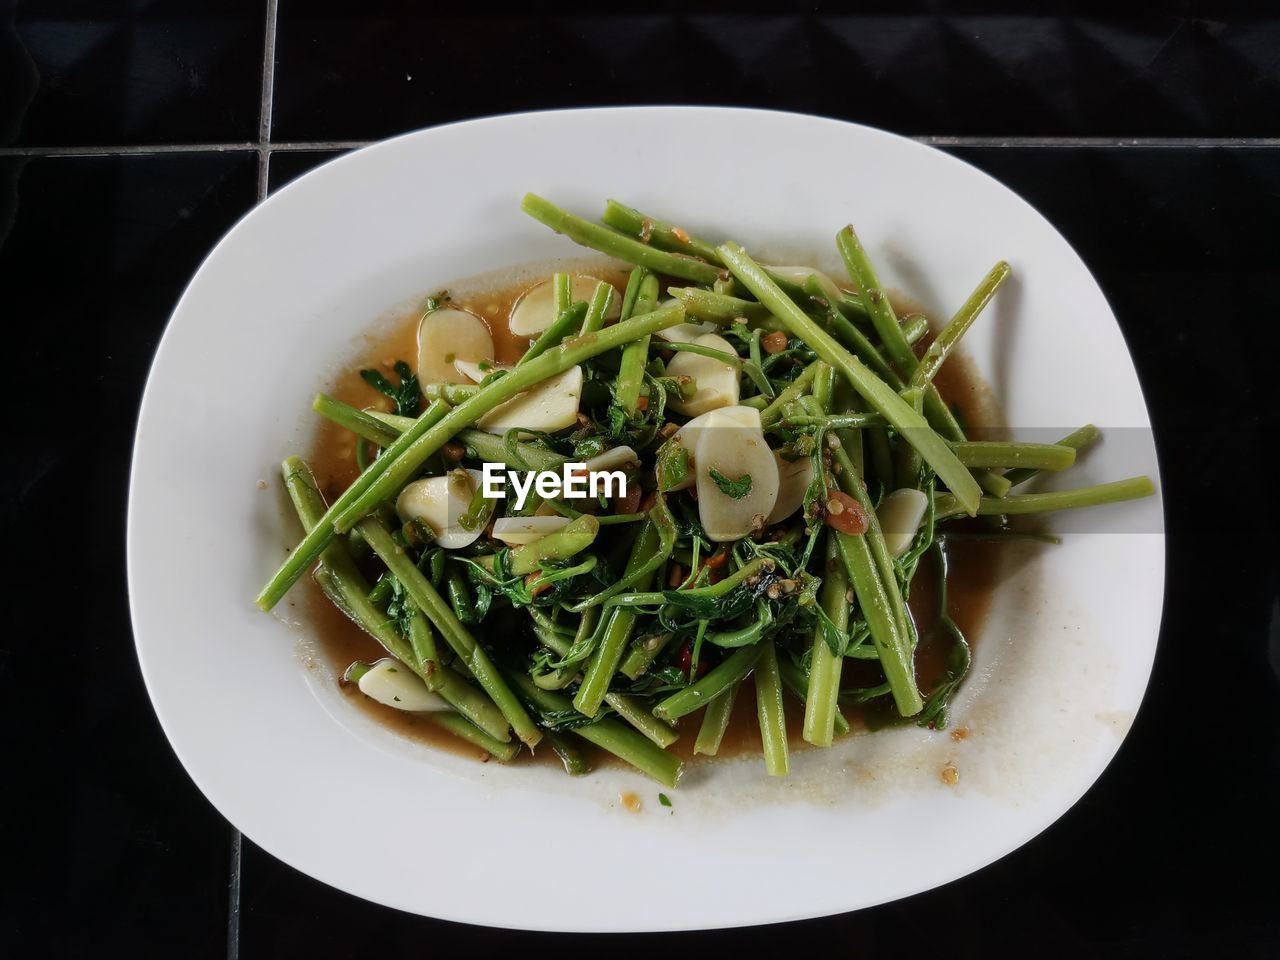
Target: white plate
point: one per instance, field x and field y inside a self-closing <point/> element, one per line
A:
<point x="278" y="307"/>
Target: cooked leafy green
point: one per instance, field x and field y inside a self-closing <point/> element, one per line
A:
<point x="737" y="489"/>
<point x="407" y="394"/>
<point x="632" y="614"/>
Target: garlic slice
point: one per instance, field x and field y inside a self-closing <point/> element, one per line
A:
<point x="900" y="514"/>
<point x="550" y="405"/>
<point x="446" y="336"/>
<point x="477" y="370"/>
<point x="615" y="458"/>
<point x="798" y="276"/>
<point x="683" y="332"/>
<point x="515" y="531"/>
<point x="535" y="310"/>
<point x="391" y="682"/>
<point x="794" y="477"/>
<point x="687" y="436"/>
<point x="440" y="502"/>
<point x="717" y="382"/>
<point x="734" y="449"/>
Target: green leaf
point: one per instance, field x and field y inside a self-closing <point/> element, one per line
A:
<point x="935" y="713"/>
<point x="479" y="510"/>
<point x="618" y="421"/>
<point x="569" y="719"/>
<point x="699" y="606"/>
<point x="737" y="489"/>
<point x="407" y="394"/>
<point x="437" y="300"/>
<point x="400" y="609"/>
<point x="483" y="601"/>
<point x="837" y="642"/>
<point x="672" y="465"/>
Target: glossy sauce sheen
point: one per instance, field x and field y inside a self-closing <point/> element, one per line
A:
<point x="973" y="564"/>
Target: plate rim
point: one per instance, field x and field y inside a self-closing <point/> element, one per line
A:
<point x="133" y="513"/>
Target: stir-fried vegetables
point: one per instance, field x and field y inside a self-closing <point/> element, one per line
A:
<point x="783" y="462"/>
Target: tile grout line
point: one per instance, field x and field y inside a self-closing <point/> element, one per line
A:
<point x="305" y="145"/>
<point x="128" y="149"/>
<point x="264" y="147"/>
<point x="1121" y="142"/>
<point x="233" y="897"/>
<point x="268" y="97"/>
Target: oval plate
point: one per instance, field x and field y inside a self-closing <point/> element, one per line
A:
<point x="277" y="309"/>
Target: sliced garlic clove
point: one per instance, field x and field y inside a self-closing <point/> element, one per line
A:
<point x="440" y="502"/>
<point x="477" y="370"/>
<point x="391" y="682"/>
<point x="685" y="332"/>
<point x="734" y="449"/>
<point x="900" y="514"/>
<point x="516" y="531"/>
<point x="446" y="336"/>
<point x="535" y="310"/>
<point x="743" y="416"/>
<point x="550" y="405"/>
<point x="687" y="436"/>
<point x="615" y="458"/>
<point x="717" y="382"/>
<point x="798" y="276"/>
<point x="794" y="477"/>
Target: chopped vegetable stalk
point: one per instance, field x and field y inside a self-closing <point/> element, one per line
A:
<point x="632" y="710"/>
<point x="464" y="729"/>
<point x="617" y="244"/>
<point x="715" y="721"/>
<point x="359" y="422"/>
<point x="438" y="612"/>
<point x="1134" y="488"/>
<point x="697" y="695"/>
<point x="1037" y="456"/>
<point x="662" y="235"/>
<point x="874" y="579"/>
<point x="949" y="338"/>
<point x="567" y="320"/>
<point x="322" y="532"/>
<point x="636" y="353"/>
<point x="618" y="628"/>
<point x="871" y="388"/>
<point x="770" y="713"/>
<point x="623" y="742"/>
<point x="598" y="309"/>
<point x="876" y="302"/>
<point x="720" y="308"/>
<point x="825" y="664"/>
<point x="1077" y="440"/>
<point x="899" y="351"/>
<point x="567" y="542"/>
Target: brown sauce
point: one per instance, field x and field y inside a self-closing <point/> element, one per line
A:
<point x="973" y="564"/>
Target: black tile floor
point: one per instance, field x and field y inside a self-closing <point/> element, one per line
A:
<point x="1021" y="74"/>
<point x="153" y="71"/>
<point x="103" y="822"/>
<point x="133" y="135"/>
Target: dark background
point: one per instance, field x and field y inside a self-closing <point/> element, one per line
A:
<point x="133" y="135"/>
